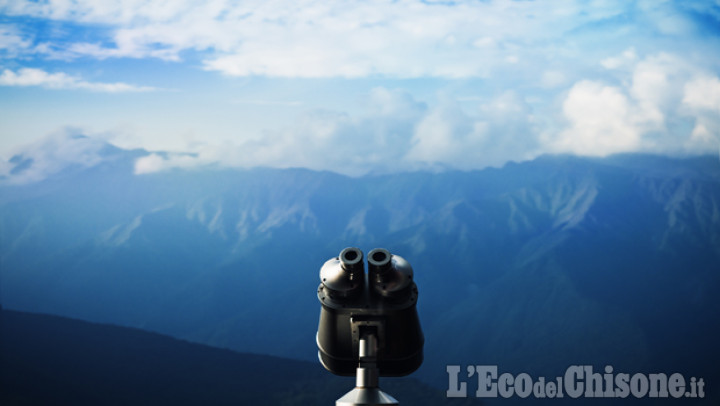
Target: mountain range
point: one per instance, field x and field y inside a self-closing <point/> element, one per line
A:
<point x="534" y="266"/>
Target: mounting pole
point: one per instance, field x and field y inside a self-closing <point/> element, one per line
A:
<point x="367" y="391"/>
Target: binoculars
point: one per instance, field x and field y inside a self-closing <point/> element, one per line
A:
<point x="380" y="304"/>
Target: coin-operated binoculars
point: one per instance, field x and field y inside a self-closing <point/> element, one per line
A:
<point x="369" y="325"/>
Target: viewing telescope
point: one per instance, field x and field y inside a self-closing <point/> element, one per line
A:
<point x="369" y="325"/>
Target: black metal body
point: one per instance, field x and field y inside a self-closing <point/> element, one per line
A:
<point x="383" y="302"/>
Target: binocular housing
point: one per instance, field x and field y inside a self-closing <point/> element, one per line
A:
<point x="381" y="302"/>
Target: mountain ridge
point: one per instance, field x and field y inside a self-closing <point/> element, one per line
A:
<point x="600" y="244"/>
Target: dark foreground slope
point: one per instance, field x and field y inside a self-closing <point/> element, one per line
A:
<point x="50" y="360"/>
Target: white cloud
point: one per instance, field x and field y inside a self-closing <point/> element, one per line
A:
<point x="589" y="78"/>
<point x="657" y="80"/>
<point x="405" y="39"/>
<point x="60" y="80"/>
<point x="601" y="121"/>
<point x="319" y="139"/>
<point x="306" y="38"/>
<point x="499" y="129"/>
<point x="636" y="113"/>
<point x="644" y="111"/>
<point x="150" y="163"/>
<point x="39" y="159"/>
<point x="447" y="136"/>
<point x="703" y="93"/>
<point x="397" y="132"/>
<point x="11" y="41"/>
<point x="701" y="100"/>
<point x="93" y="11"/>
<point x="155" y="162"/>
<point x="627" y="58"/>
<point x="645" y="107"/>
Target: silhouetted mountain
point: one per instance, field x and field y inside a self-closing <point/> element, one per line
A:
<point x="534" y="266"/>
<point x="51" y="360"/>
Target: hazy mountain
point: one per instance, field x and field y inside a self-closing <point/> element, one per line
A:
<point x="533" y="266"/>
<point x="54" y="360"/>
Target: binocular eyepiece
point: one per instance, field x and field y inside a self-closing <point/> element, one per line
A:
<point x="381" y="303"/>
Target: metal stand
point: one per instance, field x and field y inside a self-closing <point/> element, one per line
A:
<point x="367" y="392"/>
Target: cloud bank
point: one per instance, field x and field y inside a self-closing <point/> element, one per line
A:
<point x="64" y="149"/>
<point x="657" y="104"/>
<point x="654" y="104"/>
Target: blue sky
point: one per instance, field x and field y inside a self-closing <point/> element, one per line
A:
<point x="357" y="87"/>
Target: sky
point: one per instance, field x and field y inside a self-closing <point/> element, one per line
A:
<point x="355" y="87"/>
